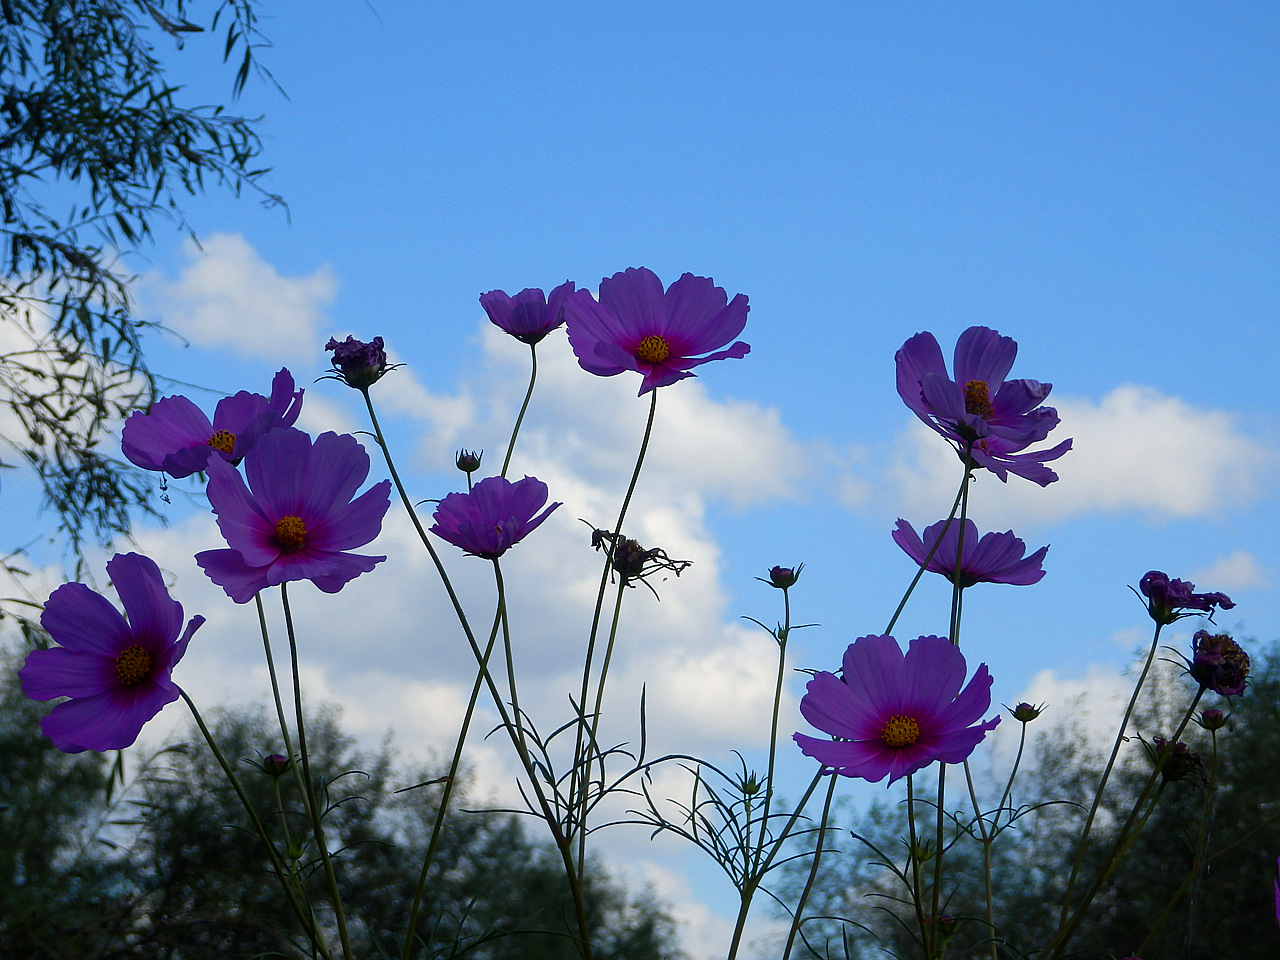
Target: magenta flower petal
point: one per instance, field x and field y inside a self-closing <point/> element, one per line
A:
<point x="989" y="558"/>
<point x="991" y="418"/>
<point x="176" y="438"/>
<point x="116" y="672"/>
<point x="895" y="713"/>
<point x="493" y="516"/>
<point x="529" y="315"/>
<point x="294" y="519"/>
<point x="635" y="325"/>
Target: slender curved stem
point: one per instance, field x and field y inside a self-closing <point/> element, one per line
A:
<point x="515" y="431"/>
<point x="307" y="921"/>
<point x="917" y="899"/>
<point x="798" y="916"/>
<point x="451" y="779"/>
<point x="317" y="819"/>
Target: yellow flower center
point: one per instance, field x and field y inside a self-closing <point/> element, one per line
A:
<point x="223" y="440"/>
<point x="653" y="349"/>
<point x="976" y="399"/>
<point x="900" y="731"/>
<point x="133" y="665"/>
<point x="291" y="532"/>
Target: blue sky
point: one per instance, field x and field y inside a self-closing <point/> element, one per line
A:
<point x="1098" y="182"/>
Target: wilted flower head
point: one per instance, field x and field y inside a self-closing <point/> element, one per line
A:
<point x="635" y="325"/>
<point x="1181" y="762"/>
<point x="176" y="438"/>
<point x="493" y="516"/>
<point x="896" y="714"/>
<point x="1171" y="600"/>
<point x="633" y="562"/>
<point x="358" y="364"/>
<point x="991" y="558"/>
<point x="296" y="519"/>
<point x="980" y="411"/>
<point x="529" y="315"/>
<point x="116" y="671"/>
<point x="1218" y="663"/>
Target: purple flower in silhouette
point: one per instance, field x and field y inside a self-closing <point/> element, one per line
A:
<point x="895" y="714"/>
<point x="991" y="558"/>
<point x="980" y="411"/>
<point x="175" y="437"/>
<point x="358" y="364"/>
<point x="493" y="516"/>
<point x="529" y="315"/>
<point x="116" y="671"/>
<point x="662" y="335"/>
<point x="1171" y="600"/>
<point x="1218" y="663"/>
<point x="295" y="519"/>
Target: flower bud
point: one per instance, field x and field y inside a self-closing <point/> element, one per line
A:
<point x="1181" y="762"/>
<point x="468" y="461"/>
<point x="783" y="577"/>
<point x="1213" y="719"/>
<point x="275" y="765"/>
<point x="1025" y="712"/>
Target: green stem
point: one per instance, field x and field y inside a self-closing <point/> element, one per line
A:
<point x="313" y="803"/>
<point x="511" y="445"/>
<point x="926" y="929"/>
<point x="308" y="922"/>
<point x="783" y="634"/>
<point x="798" y="916"/>
<point x="437" y="827"/>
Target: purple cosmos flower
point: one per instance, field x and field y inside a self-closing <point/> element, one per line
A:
<point x="896" y="714"/>
<point x="1171" y="600"/>
<point x="529" y="315"/>
<point x="495" y="515"/>
<point x="636" y="326"/>
<point x="116" y="671"/>
<point x="1218" y="663"/>
<point x="176" y="438"/>
<point x="991" y="558"/>
<point x="358" y="364"/>
<point x="295" y="519"/>
<point x="980" y="411"/>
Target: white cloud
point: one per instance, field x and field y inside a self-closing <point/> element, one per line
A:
<point x="1236" y="571"/>
<point x="228" y="297"/>
<point x="1136" y="449"/>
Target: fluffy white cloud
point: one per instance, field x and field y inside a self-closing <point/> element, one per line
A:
<point x="1237" y="571"/>
<point x="1136" y="449"/>
<point x="227" y="296"/>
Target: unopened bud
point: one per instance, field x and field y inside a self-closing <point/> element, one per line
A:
<point x="1026" y="712"/>
<point x="276" y="765"/>
<point x="469" y="461"/>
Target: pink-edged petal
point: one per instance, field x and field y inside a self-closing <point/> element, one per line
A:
<point x="957" y="745"/>
<point x="154" y="617"/>
<point x="353" y="524"/>
<point x="831" y="707"/>
<point x="228" y="570"/>
<point x="240" y="518"/>
<point x="108" y="721"/>
<point x="635" y="297"/>
<point x="59" y="672"/>
<point x="873" y="667"/>
<point x="933" y="671"/>
<point x="968" y="707"/>
<point x="336" y="467"/>
<point x="82" y="620"/>
<point x="982" y="354"/>
<point x="277" y="470"/>
<point x="172" y="424"/>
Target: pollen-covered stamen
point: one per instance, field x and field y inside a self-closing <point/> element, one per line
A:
<point x="653" y="349"/>
<point x="900" y="731"/>
<point x="133" y="665"/>
<point x="291" y="532"/>
<point x="977" y="400"/>
<point x="223" y="440"/>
